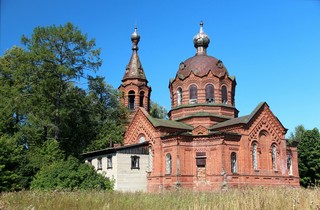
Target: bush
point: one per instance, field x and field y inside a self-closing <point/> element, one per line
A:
<point x="70" y="175"/>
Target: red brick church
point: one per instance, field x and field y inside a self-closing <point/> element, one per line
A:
<point x="204" y="145"/>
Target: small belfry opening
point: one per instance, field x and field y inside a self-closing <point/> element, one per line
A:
<point x="131" y="100"/>
<point x="141" y="99"/>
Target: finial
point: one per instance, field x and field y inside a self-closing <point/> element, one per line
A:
<point x="201" y="41"/>
<point x="201" y="26"/>
<point x="135" y="38"/>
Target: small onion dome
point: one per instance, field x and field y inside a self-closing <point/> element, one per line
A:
<point x="135" y="37"/>
<point x="201" y="40"/>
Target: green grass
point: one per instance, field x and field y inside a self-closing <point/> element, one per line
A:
<point x="251" y="198"/>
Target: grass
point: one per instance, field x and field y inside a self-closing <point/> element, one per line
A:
<point x="250" y="198"/>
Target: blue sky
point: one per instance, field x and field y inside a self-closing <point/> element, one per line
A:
<point x="272" y="47"/>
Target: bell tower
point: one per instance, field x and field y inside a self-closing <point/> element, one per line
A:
<point x="134" y="89"/>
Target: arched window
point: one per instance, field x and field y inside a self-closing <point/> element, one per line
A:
<point x="179" y="96"/>
<point x="142" y="138"/>
<point x="274" y="156"/>
<point x="210" y="93"/>
<point x="254" y="156"/>
<point x="234" y="168"/>
<point x="150" y="159"/>
<point x="289" y="164"/>
<point x="168" y="164"/>
<point x="131" y="100"/>
<point x="224" y="94"/>
<point x="141" y="98"/>
<point x="193" y="94"/>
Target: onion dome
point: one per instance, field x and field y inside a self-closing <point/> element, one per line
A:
<point x="201" y="64"/>
<point x="134" y="68"/>
<point x="201" y="41"/>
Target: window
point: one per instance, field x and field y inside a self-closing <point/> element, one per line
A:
<point x="224" y="94"/>
<point x="141" y="98"/>
<point x="193" y="94"/>
<point x="131" y="100"/>
<point x="210" y="94"/>
<point x="142" y="139"/>
<point x="150" y="159"/>
<point x="179" y="96"/>
<point x="89" y="161"/>
<point x="109" y="162"/>
<point x="168" y="164"/>
<point x="99" y="166"/>
<point x="234" y="168"/>
<point x="289" y="164"/>
<point x="274" y="157"/>
<point x="201" y="159"/>
<point x="254" y="156"/>
<point x="135" y="162"/>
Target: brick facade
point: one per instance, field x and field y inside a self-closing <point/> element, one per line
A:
<point x="204" y="145"/>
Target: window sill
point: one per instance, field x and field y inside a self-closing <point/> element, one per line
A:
<point x="135" y="168"/>
<point x="109" y="167"/>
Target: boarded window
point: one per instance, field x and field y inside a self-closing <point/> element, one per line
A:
<point x="201" y="159"/>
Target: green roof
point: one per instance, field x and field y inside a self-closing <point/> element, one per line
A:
<point x="168" y="123"/>
<point x="239" y="120"/>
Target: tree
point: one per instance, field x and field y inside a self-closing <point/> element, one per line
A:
<point x="309" y="156"/>
<point x="297" y="135"/>
<point x="60" y="56"/>
<point x="157" y="111"/>
<point x="110" y="115"/>
<point x="10" y="160"/>
<point x="70" y="175"/>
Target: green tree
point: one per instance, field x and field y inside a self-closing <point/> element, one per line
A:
<point x="10" y="160"/>
<point x="70" y="175"/>
<point x="309" y="157"/>
<point x="297" y="135"/>
<point x="60" y="56"/>
<point x="109" y="114"/>
<point x="157" y="111"/>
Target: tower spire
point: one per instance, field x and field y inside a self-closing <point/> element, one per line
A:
<point x="134" y="68"/>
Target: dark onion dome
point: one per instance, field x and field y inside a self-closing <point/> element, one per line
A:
<point x="201" y="64"/>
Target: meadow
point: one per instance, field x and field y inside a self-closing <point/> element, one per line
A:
<point x="249" y="198"/>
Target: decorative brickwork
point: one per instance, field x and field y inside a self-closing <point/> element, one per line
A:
<point x="204" y="145"/>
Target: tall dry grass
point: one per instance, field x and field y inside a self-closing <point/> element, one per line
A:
<point x="251" y="198"/>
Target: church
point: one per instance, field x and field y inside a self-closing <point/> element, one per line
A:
<point x="203" y="145"/>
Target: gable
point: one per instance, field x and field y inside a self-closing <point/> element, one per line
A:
<point x="139" y="127"/>
<point x="261" y="118"/>
<point x="265" y="120"/>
